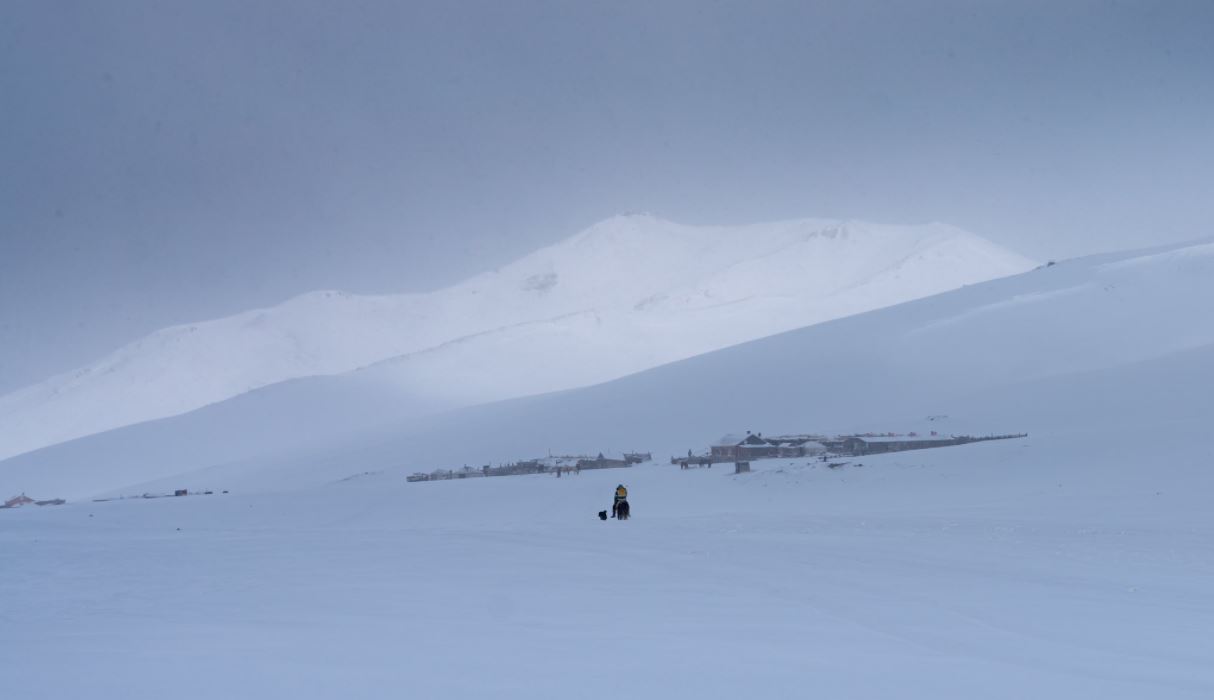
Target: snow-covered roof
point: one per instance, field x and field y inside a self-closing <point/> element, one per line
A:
<point x="563" y="461"/>
<point x="917" y="438"/>
<point x="730" y="440"/>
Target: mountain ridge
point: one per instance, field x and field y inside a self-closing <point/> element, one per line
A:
<point x="678" y="290"/>
<point x="984" y="355"/>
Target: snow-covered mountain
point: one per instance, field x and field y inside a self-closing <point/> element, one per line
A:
<point x="1105" y="341"/>
<point x="627" y="294"/>
<point x="1112" y="345"/>
<point x="1074" y="563"/>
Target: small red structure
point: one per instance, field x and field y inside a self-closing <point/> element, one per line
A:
<point x="19" y="501"/>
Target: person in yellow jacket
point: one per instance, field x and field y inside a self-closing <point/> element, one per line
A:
<point x="621" y="494"/>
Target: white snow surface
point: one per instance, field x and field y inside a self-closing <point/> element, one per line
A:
<point x="627" y="294"/>
<point x="1075" y="563"/>
<point x="1042" y="568"/>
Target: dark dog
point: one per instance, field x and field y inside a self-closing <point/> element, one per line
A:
<point x="602" y="515"/>
<point x="622" y="510"/>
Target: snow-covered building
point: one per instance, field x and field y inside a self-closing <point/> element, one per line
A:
<point x="18" y="501"/>
<point x="809" y="448"/>
<point x="755" y="446"/>
<point x="603" y="462"/>
<point x="862" y="445"/>
<point x="797" y="445"/>
<point x="743" y="447"/>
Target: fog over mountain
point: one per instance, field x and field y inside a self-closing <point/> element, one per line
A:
<point x="484" y="349"/>
<point x="1045" y="351"/>
<point x="164" y="163"/>
<point x="625" y="295"/>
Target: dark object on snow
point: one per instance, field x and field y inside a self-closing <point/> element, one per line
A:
<point x="181" y="492"/>
<point x="24" y="500"/>
<point x="602" y="515"/>
<point x="741" y="467"/>
<point x="622" y="510"/>
<point x="19" y="501"/>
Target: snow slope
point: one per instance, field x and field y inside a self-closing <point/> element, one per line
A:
<point x="1044" y="568"/>
<point x="984" y="356"/>
<point x="884" y="370"/>
<point x="627" y="294"/>
<point x="1074" y="563"/>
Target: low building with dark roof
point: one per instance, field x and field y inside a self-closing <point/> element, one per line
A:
<point x="742" y="447"/>
<point x="865" y="445"/>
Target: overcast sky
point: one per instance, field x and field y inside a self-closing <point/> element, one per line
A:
<point x="162" y="162"/>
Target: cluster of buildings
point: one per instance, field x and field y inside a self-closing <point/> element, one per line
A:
<point x="735" y="448"/>
<point x="177" y="493"/>
<point x="566" y="464"/>
<point x="23" y="500"/>
<point x="739" y="449"/>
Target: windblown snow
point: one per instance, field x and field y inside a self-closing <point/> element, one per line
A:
<point x="630" y="293"/>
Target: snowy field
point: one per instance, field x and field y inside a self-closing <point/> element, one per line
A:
<point x="1076" y="563"/>
<point x="1024" y="568"/>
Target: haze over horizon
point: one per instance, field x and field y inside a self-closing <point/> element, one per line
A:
<point x="331" y="332"/>
<point x="165" y="164"/>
